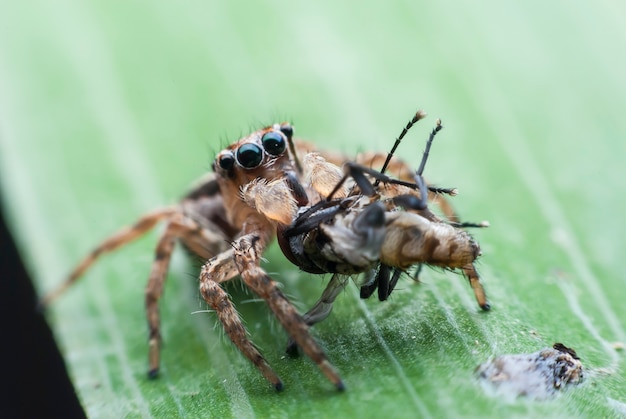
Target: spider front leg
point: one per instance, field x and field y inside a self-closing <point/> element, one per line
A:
<point x="247" y="251"/>
<point x="210" y="277"/>
<point x="247" y="261"/>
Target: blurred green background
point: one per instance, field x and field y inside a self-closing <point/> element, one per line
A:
<point x="109" y="109"/>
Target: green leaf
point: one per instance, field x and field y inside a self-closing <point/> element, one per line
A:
<point x="110" y="109"/>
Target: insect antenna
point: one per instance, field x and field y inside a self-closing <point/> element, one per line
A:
<point x="418" y="115"/>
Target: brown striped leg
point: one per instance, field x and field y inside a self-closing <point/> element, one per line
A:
<point x="477" y="286"/>
<point x="122" y="237"/>
<point x="247" y="259"/>
<point x="193" y="235"/>
<point x="154" y="290"/>
<point x="217" y="298"/>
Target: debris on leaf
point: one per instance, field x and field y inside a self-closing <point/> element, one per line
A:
<point x="537" y="375"/>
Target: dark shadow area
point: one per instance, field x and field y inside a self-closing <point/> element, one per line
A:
<point x="34" y="379"/>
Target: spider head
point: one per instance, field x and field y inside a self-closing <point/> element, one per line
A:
<point x="257" y="159"/>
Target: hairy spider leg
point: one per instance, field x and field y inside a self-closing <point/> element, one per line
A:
<point x="201" y="241"/>
<point x="247" y="252"/>
<point x="113" y="242"/>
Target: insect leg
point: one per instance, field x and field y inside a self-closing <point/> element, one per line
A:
<point x="381" y="282"/>
<point x="446" y="191"/>
<point x="384" y="275"/>
<point x="419" y="180"/>
<point x="322" y="308"/>
<point x="466" y="224"/>
<point x="385" y="279"/>
<point x="411" y="201"/>
<point x="418" y="115"/>
<point x="370" y="284"/>
<point x="394" y="281"/>
<point x="477" y="286"/>
<point x="311" y="218"/>
<point x="357" y="172"/>
<point x="420" y="170"/>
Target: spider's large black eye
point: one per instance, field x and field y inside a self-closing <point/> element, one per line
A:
<point x="249" y="155"/>
<point x="273" y="143"/>
<point x="226" y="161"/>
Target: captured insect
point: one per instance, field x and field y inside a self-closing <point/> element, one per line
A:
<point x="261" y="188"/>
<point x="379" y="226"/>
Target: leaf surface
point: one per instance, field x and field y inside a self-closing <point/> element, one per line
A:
<point x="110" y="109"/>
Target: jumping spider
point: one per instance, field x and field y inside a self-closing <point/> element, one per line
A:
<point x="259" y="186"/>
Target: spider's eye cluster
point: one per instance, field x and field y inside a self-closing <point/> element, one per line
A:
<point x="273" y="143"/>
<point x="249" y="155"/>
